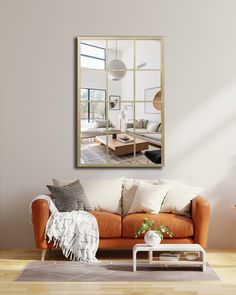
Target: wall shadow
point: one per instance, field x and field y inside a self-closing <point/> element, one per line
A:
<point x="223" y="216"/>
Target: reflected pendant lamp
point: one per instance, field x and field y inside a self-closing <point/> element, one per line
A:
<point x="113" y="68"/>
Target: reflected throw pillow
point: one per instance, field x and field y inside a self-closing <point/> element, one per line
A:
<point x="138" y="124"/>
<point x="152" y="126"/>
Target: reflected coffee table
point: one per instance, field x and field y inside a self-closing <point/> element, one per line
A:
<point x="201" y="260"/>
<point x="121" y="148"/>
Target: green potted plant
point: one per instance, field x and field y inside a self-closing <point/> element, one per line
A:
<point x="153" y="234"/>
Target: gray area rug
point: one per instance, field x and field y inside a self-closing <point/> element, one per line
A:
<point x="70" y="271"/>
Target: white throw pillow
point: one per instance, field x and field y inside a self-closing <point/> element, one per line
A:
<point x="103" y="195"/>
<point x="148" y="198"/>
<point x="152" y="126"/>
<point x="179" y="197"/>
<point x="130" y="186"/>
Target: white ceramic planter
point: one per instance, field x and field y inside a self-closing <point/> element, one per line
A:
<point x="152" y="239"/>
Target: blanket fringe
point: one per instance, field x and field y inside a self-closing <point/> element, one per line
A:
<point x="68" y="253"/>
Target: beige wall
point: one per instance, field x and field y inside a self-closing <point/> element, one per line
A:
<point x="37" y="99"/>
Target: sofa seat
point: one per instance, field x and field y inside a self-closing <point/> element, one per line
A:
<point x="139" y="130"/>
<point x="181" y="226"/>
<point x="128" y="243"/>
<point x="93" y="131"/>
<point x="154" y="136"/>
<point x="109" y="224"/>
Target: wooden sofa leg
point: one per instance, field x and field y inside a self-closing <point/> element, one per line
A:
<point x="43" y="254"/>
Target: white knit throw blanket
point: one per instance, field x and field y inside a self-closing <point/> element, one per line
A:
<point x="75" y="232"/>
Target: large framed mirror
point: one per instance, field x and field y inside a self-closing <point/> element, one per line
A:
<point x="120" y="103"/>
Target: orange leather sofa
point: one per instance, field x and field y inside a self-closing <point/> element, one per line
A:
<point x="117" y="232"/>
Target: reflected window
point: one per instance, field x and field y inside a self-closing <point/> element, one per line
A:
<point x="90" y="109"/>
<point x="93" y="57"/>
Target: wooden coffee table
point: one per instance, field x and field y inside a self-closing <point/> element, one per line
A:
<point x="121" y="148"/>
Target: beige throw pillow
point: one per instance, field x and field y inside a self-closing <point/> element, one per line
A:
<point x="179" y="197"/>
<point x="138" y="124"/>
<point x="148" y="198"/>
<point x="61" y="182"/>
<point x="104" y="195"/>
<point x="130" y="186"/>
<point x="184" y="180"/>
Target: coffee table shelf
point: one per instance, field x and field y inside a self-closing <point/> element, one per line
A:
<point x="201" y="261"/>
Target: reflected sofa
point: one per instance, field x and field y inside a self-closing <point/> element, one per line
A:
<point x="98" y="128"/>
<point x="142" y="131"/>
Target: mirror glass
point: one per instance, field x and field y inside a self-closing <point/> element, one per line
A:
<point x="120" y="102"/>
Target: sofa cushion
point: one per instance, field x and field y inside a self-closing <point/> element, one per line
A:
<point x="181" y="226"/>
<point x="109" y="224"/>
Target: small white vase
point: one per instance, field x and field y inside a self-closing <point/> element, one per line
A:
<point x="151" y="238"/>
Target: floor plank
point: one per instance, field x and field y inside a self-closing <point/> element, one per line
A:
<point x="12" y="262"/>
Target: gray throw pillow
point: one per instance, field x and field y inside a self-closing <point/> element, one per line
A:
<point x="145" y="122"/>
<point x="70" y="197"/>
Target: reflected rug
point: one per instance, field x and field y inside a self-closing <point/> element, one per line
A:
<point x="72" y="271"/>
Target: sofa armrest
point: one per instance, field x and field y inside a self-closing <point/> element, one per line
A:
<point x="201" y="220"/>
<point x="40" y="216"/>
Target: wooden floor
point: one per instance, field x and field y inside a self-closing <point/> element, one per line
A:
<point x="12" y="261"/>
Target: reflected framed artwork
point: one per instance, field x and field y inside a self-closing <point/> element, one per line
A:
<point x="114" y="102"/>
<point x="120" y="101"/>
<point x="152" y="95"/>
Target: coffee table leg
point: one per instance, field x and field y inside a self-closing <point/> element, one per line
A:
<point x="150" y="256"/>
<point x="134" y="260"/>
